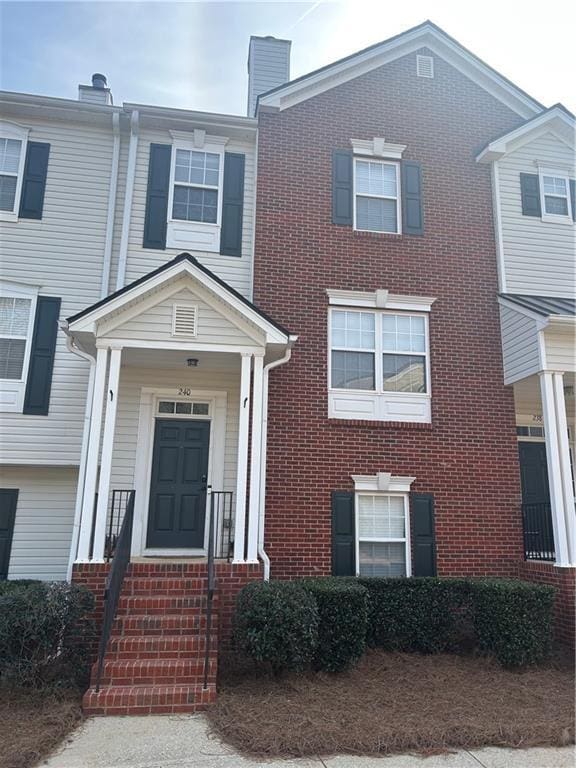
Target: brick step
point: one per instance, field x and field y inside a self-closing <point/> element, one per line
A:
<point x="126" y="672"/>
<point x="168" y="570"/>
<point x="152" y="605"/>
<point x="159" y="646"/>
<point x="165" y="585"/>
<point x="188" y="623"/>
<point x="148" y="700"/>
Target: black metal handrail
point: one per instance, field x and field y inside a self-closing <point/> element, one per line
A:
<point x="114" y="582"/>
<point x="222" y="511"/>
<point x="116" y="513"/>
<point x="538" y="532"/>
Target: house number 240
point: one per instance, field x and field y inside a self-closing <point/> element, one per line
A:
<point x="186" y="391"/>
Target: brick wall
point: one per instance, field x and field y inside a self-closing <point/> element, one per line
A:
<point x="564" y="579"/>
<point x="468" y="457"/>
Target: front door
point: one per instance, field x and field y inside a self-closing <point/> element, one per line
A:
<point x="534" y="473"/>
<point x="177" y="508"/>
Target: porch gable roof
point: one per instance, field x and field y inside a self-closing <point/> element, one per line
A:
<point x="545" y="306"/>
<point x="182" y="264"/>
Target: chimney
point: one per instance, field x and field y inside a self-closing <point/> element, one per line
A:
<point x="268" y="67"/>
<point x="98" y="92"/>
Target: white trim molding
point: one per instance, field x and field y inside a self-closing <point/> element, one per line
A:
<point x="12" y="390"/>
<point x="377" y="147"/>
<point x="382" y="482"/>
<point x="379" y="299"/>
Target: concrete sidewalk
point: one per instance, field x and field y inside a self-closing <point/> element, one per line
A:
<point x="184" y="742"/>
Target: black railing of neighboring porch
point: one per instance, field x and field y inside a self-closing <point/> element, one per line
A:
<point x="114" y="581"/>
<point x="538" y="532"/>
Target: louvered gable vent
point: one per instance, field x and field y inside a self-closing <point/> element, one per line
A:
<point x="184" y="318"/>
<point x="424" y="66"/>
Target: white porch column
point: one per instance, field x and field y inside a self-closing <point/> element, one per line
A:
<point x="565" y="470"/>
<point x="92" y="456"/>
<point x="106" y="459"/>
<point x="554" y="467"/>
<point x="242" y="462"/>
<point x="256" y="447"/>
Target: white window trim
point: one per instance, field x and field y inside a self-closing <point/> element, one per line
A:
<point x="12" y="391"/>
<point x="379" y="299"/>
<point x="398" y="197"/>
<point x="555" y="217"/>
<point x="20" y="133"/>
<point x="197" y="141"/>
<point x="377" y="148"/>
<point x="379" y="540"/>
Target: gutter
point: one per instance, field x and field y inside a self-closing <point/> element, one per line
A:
<point x="70" y="346"/>
<point x="111" y="206"/>
<point x="263" y="447"/>
<point x="129" y="194"/>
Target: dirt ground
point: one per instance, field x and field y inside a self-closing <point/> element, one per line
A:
<point x="394" y="702"/>
<point x="33" y="723"/>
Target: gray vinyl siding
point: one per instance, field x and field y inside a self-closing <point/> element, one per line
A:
<point x="539" y="256"/>
<point x="268" y="67"/>
<point x="44" y="520"/>
<point x="236" y="271"/>
<point x="62" y="255"/>
<point x="519" y="345"/>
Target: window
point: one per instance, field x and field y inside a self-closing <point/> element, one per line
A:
<point x="382" y="539"/>
<point x="177" y="408"/>
<point x="353" y="345"/>
<point x="12" y="155"/>
<point x="403" y="371"/>
<point x="196" y="182"/>
<point x="14" y="328"/>
<point x="376" y="193"/>
<point x="555" y="191"/>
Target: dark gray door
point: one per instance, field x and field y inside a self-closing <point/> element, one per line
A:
<point x="8" y="500"/>
<point x="177" y="508"/>
<point x="534" y="473"/>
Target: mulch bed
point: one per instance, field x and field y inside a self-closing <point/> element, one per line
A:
<point x="395" y="702"/>
<point x="33" y="723"/>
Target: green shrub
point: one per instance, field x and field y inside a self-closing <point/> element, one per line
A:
<point x="277" y="622"/>
<point x="343" y="621"/>
<point x="416" y="614"/>
<point x="513" y="620"/>
<point x="43" y="633"/>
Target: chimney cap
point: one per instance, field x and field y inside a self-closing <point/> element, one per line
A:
<point x="99" y="80"/>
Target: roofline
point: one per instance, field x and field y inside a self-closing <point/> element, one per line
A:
<point x="233" y="121"/>
<point x="425" y="25"/>
<point x="182" y="257"/>
<point x="55" y="102"/>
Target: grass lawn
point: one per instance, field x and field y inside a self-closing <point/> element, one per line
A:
<point x="32" y="724"/>
<point x="395" y="702"/>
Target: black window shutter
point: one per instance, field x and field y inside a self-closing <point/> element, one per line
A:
<point x="424" y="536"/>
<point x="8" y="501"/>
<point x="343" y="538"/>
<point x="530" y="192"/>
<point x="342" y="187"/>
<point x="412" y="213"/>
<point x="573" y="198"/>
<point x="43" y="349"/>
<point x="232" y="205"/>
<point x="34" y="180"/>
<point x="156" y="217"/>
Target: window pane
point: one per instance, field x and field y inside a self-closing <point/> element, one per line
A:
<point x="403" y="333"/>
<point x="12" y="358"/>
<point x="374" y="178"/>
<point x="184" y="408"/>
<point x="14" y="316"/>
<point x="556" y="205"/>
<point x="404" y="373"/>
<point x="7" y="192"/>
<point x="376" y="215"/>
<point x="382" y="559"/>
<point x="10" y="155"/>
<point x="353" y="370"/>
<point x="354" y="330"/>
<point x="381" y="517"/>
<point x="196" y="167"/>
<point x="193" y="204"/>
<point x="200" y="409"/>
<point x="165" y="406"/>
<point x="554" y="185"/>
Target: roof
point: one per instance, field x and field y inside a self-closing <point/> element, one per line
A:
<point x="543" y="305"/>
<point x="556" y="118"/>
<point x="427" y="35"/>
<point x="182" y="257"/>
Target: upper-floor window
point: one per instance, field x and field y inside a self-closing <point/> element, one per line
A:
<point x="13" y="141"/>
<point x="556" y="195"/>
<point x="14" y="333"/>
<point x="376" y="195"/>
<point x="196" y="186"/>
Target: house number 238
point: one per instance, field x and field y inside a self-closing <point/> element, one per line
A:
<point x="186" y="391"/>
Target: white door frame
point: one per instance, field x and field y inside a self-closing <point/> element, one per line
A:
<point x="149" y="398"/>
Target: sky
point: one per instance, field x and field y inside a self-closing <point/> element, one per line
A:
<point x="193" y="54"/>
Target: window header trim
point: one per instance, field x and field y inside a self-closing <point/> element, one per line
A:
<point x="382" y="482"/>
<point x="377" y="147"/>
<point x="379" y="299"/>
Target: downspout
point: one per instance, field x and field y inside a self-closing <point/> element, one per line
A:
<point x="111" y="206"/>
<point x="263" y="447"/>
<point x="84" y="448"/>
<point x="129" y="194"/>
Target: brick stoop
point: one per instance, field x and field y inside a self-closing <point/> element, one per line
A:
<point x="154" y="663"/>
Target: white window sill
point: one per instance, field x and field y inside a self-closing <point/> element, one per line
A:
<point x="377" y="232"/>
<point x="11" y="396"/>
<point x="551" y="218"/>
<point x="193" y="236"/>
<point x="8" y="216"/>
<point x="412" y="407"/>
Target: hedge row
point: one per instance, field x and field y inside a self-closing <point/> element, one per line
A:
<point x="43" y="633"/>
<point x="328" y="622"/>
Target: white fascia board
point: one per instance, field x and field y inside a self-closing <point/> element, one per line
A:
<point x="379" y="300"/>
<point x="382" y="482"/>
<point x="208" y="118"/>
<point x="363" y="62"/>
<point x="88" y="322"/>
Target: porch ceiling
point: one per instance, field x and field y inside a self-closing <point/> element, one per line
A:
<point x="176" y="360"/>
<point x="528" y="400"/>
